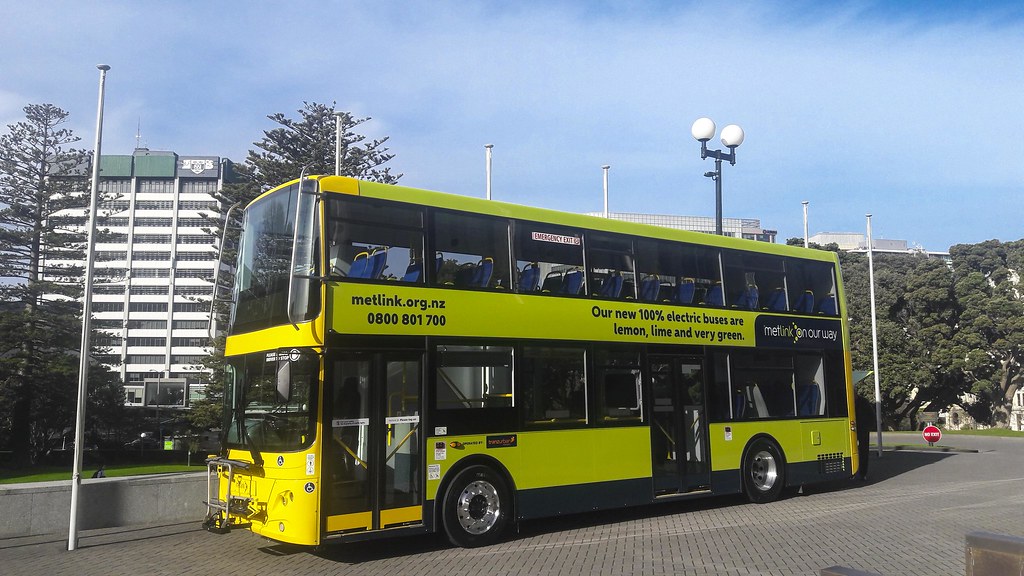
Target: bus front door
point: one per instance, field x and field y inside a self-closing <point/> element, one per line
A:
<point x="372" y="437"/>
<point x="679" y="425"/>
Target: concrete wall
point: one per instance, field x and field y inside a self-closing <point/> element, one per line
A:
<point x="45" y="507"/>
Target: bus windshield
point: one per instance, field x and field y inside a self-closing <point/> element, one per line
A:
<point x="270" y="400"/>
<point x="264" y="263"/>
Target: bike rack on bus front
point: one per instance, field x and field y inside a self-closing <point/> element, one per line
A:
<point x="230" y="505"/>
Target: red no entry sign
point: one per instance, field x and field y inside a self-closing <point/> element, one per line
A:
<point x="931" y="434"/>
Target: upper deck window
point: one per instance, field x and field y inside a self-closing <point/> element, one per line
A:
<point x="470" y="251"/>
<point x="549" y="259"/>
<point x="374" y="241"/>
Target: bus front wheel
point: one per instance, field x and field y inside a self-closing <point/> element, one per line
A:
<point x="764" y="471"/>
<point x="476" y="507"/>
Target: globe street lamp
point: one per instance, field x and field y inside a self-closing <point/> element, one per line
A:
<point x="732" y="136"/>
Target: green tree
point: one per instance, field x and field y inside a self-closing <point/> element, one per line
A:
<point x="309" y="141"/>
<point x="306" y="141"/>
<point x="916" y="313"/>
<point x="989" y="342"/>
<point x="40" y="176"/>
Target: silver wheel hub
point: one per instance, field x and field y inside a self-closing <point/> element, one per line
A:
<point x="478" y="507"/>
<point x="764" y="471"/>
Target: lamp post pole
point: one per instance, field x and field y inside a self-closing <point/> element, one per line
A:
<point x="805" y="202"/>
<point x="337" y="142"/>
<point x="489" y="148"/>
<point x="732" y="136"/>
<point x="874" y="337"/>
<point x="605" y="169"/>
<point x="83" y="364"/>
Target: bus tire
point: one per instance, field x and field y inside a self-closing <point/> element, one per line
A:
<point x="477" y="507"/>
<point x="764" y="471"/>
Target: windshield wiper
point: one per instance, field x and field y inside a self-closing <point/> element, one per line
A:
<point x="257" y="459"/>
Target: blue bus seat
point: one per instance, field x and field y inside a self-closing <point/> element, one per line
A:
<point x="685" y="291"/>
<point x="749" y="299"/>
<point x="572" y="282"/>
<point x="360" y="267"/>
<point x="828" y="306"/>
<point x="612" y="286"/>
<point x="529" y="279"/>
<point x="805" y="304"/>
<point x="482" y="275"/>
<point x="739" y="405"/>
<point x="552" y="282"/>
<point x="649" y="287"/>
<point x="808" y="399"/>
<point x="777" y="301"/>
<point x="715" y="296"/>
<point x="378" y="261"/>
<point x="412" y="272"/>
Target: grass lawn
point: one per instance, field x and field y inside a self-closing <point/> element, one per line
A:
<point x="50" y="473"/>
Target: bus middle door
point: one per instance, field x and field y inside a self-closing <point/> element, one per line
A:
<point x="679" y="425"/>
<point x="372" y="436"/>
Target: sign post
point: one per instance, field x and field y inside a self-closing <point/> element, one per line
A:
<point x="931" y="435"/>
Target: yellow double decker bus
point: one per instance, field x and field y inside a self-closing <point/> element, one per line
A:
<point x="405" y="361"/>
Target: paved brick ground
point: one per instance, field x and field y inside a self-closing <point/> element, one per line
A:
<point x="910" y="520"/>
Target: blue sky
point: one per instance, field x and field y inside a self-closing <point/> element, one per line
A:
<point x="912" y="111"/>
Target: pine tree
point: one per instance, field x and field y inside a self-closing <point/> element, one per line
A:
<point x="40" y="176"/>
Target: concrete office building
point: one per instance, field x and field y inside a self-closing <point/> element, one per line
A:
<point x="154" y="272"/>
<point x="858" y="242"/>
<point x="748" y="228"/>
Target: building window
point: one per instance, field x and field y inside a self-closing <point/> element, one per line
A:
<point x="147" y="341"/>
<point x="153" y="205"/>
<point x="150" y="222"/>
<point x="147" y="324"/>
<point x="150" y="273"/>
<point x="196" y="239"/>
<point x="196" y="256"/>
<point x="198" y="186"/>
<point x="151" y="256"/>
<point x="152" y="239"/>
<point x="148" y="307"/>
<point x="193" y="290"/>
<point x="110" y="255"/>
<point x="156" y="186"/>
<point x="150" y="290"/>
<point x="190" y="325"/>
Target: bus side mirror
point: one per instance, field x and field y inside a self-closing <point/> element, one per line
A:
<point x="303" y="244"/>
<point x="284" y="381"/>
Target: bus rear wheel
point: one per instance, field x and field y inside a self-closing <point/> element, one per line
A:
<point x="764" y="471"/>
<point x="476" y="508"/>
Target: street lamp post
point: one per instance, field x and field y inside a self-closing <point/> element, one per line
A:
<point x="605" y="169"/>
<point x="338" y="116"/>
<point x="806" y="244"/>
<point x="489" y="148"/>
<point x="732" y="136"/>
<point x="874" y="337"/>
<point x="83" y="365"/>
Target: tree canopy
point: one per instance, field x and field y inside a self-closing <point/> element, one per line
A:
<point x="40" y="320"/>
<point x="307" y="141"/>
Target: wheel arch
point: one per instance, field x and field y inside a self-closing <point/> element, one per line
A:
<point x="763" y="436"/>
<point x="468" y="462"/>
